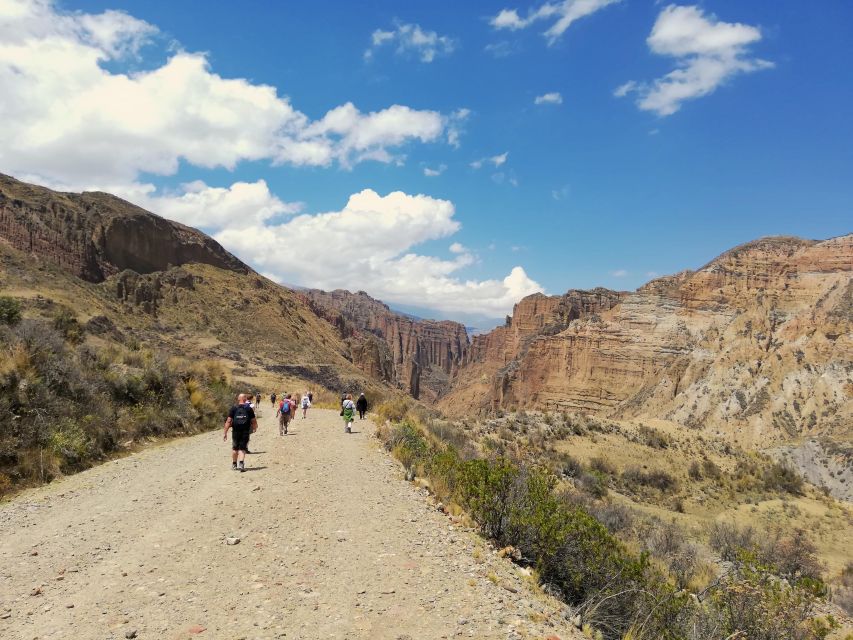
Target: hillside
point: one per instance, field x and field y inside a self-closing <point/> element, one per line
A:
<point x="132" y="312"/>
<point x="755" y="344"/>
<point x="171" y="287"/>
<point x="95" y="235"/>
<point x="420" y="356"/>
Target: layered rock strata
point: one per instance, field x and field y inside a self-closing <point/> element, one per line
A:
<point x="756" y="343"/>
<point x="420" y="356"/>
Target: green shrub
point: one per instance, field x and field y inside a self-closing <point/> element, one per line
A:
<point x="653" y="438"/>
<point x="10" y="310"/>
<point x="393" y="410"/>
<point x="65" y="322"/>
<point x="782" y="478"/>
<point x="618" y="592"/>
<point x="73" y="405"/>
<point x="656" y="478"/>
<point x="602" y="465"/>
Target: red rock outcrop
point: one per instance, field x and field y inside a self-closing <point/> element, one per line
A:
<point x="95" y="235"/>
<point x="756" y="343"/>
<point x="419" y="356"/>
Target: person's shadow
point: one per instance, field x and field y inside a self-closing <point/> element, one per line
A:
<point x="255" y="469"/>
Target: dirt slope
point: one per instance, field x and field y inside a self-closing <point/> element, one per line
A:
<point x="333" y="544"/>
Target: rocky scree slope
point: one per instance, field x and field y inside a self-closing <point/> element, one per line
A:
<point x="756" y="344"/>
<point x="419" y="356"/>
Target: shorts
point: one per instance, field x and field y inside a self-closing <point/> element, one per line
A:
<point x="240" y="439"/>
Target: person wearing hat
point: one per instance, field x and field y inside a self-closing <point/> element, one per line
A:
<point x="361" y="406"/>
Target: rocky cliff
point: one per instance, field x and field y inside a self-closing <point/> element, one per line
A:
<point x="757" y="343"/>
<point x="420" y="356"/>
<point x="95" y="235"/>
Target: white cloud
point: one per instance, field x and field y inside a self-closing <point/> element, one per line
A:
<point x="652" y="274"/>
<point x="500" y="49"/>
<point x="708" y="53"/>
<point x="69" y="118"/>
<point x="624" y="89"/>
<point x="411" y="39"/>
<point x="431" y="173"/>
<point x="562" y="13"/>
<point x="215" y="208"/>
<point x="368" y="245"/>
<point x="619" y="273"/>
<point x="553" y="97"/>
<point x="497" y="161"/>
<point x="562" y="193"/>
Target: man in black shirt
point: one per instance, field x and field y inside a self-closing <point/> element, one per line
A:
<point x="361" y="406"/>
<point x="242" y="421"/>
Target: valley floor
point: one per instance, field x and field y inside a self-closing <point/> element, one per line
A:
<point x="333" y="544"/>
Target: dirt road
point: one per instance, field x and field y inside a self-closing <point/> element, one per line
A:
<point x="333" y="543"/>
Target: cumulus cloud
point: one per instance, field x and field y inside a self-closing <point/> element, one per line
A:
<point x="72" y="119"/>
<point x="411" y="39"/>
<point x="619" y="273"/>
<point x="553" y="97"/>
<point x="216" y="208"/>
<point x="563" y="14"/>
<point x="69" y="116"/>
<point x="368" y="245"/>
<point x="497" y="161"/>
<point x="708" y="52"/>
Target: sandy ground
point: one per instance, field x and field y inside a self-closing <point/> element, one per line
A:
<point x="333" y="544"/>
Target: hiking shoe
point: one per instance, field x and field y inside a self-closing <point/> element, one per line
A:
<point x="234" y="466"/>
<point x="348" y="430"/>
<point x="242" y="467"/>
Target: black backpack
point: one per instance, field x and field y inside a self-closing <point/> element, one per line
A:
<point x="241" y="417"/>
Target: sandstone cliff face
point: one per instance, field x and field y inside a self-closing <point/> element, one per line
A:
<point x="757" y="344"/>
<point x="419" y="356"/>
<point x="96" y="235"/>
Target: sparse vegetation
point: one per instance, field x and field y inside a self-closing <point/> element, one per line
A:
<point x="571" y="542"/>
<point x="70" y="404"/>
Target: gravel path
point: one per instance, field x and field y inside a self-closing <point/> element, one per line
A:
<point x="333" y="543"/>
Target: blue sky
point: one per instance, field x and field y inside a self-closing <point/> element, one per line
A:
<point x="594" y="190"/>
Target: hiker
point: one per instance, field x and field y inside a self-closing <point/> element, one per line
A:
<point x="361" y="405"/>
<point x="257" y="398"/>
<point x="348" y="411"/>
<point x="242" y="421"/>
<point x="310" y="397"/>
<point x="306" y="404"/>
<point x="272" y="399"/>
<point x="284" y="414"/>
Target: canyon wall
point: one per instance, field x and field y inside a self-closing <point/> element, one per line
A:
<point x="420" y="356"/>
<point x="757" y="343"/>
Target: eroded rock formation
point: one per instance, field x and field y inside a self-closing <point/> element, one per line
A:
<point x="95" y="235"/>
<point x="756" y="343"/>
<point x="420" y="356"/>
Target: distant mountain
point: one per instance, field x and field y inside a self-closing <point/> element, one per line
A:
<point x="420" y="356"/>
